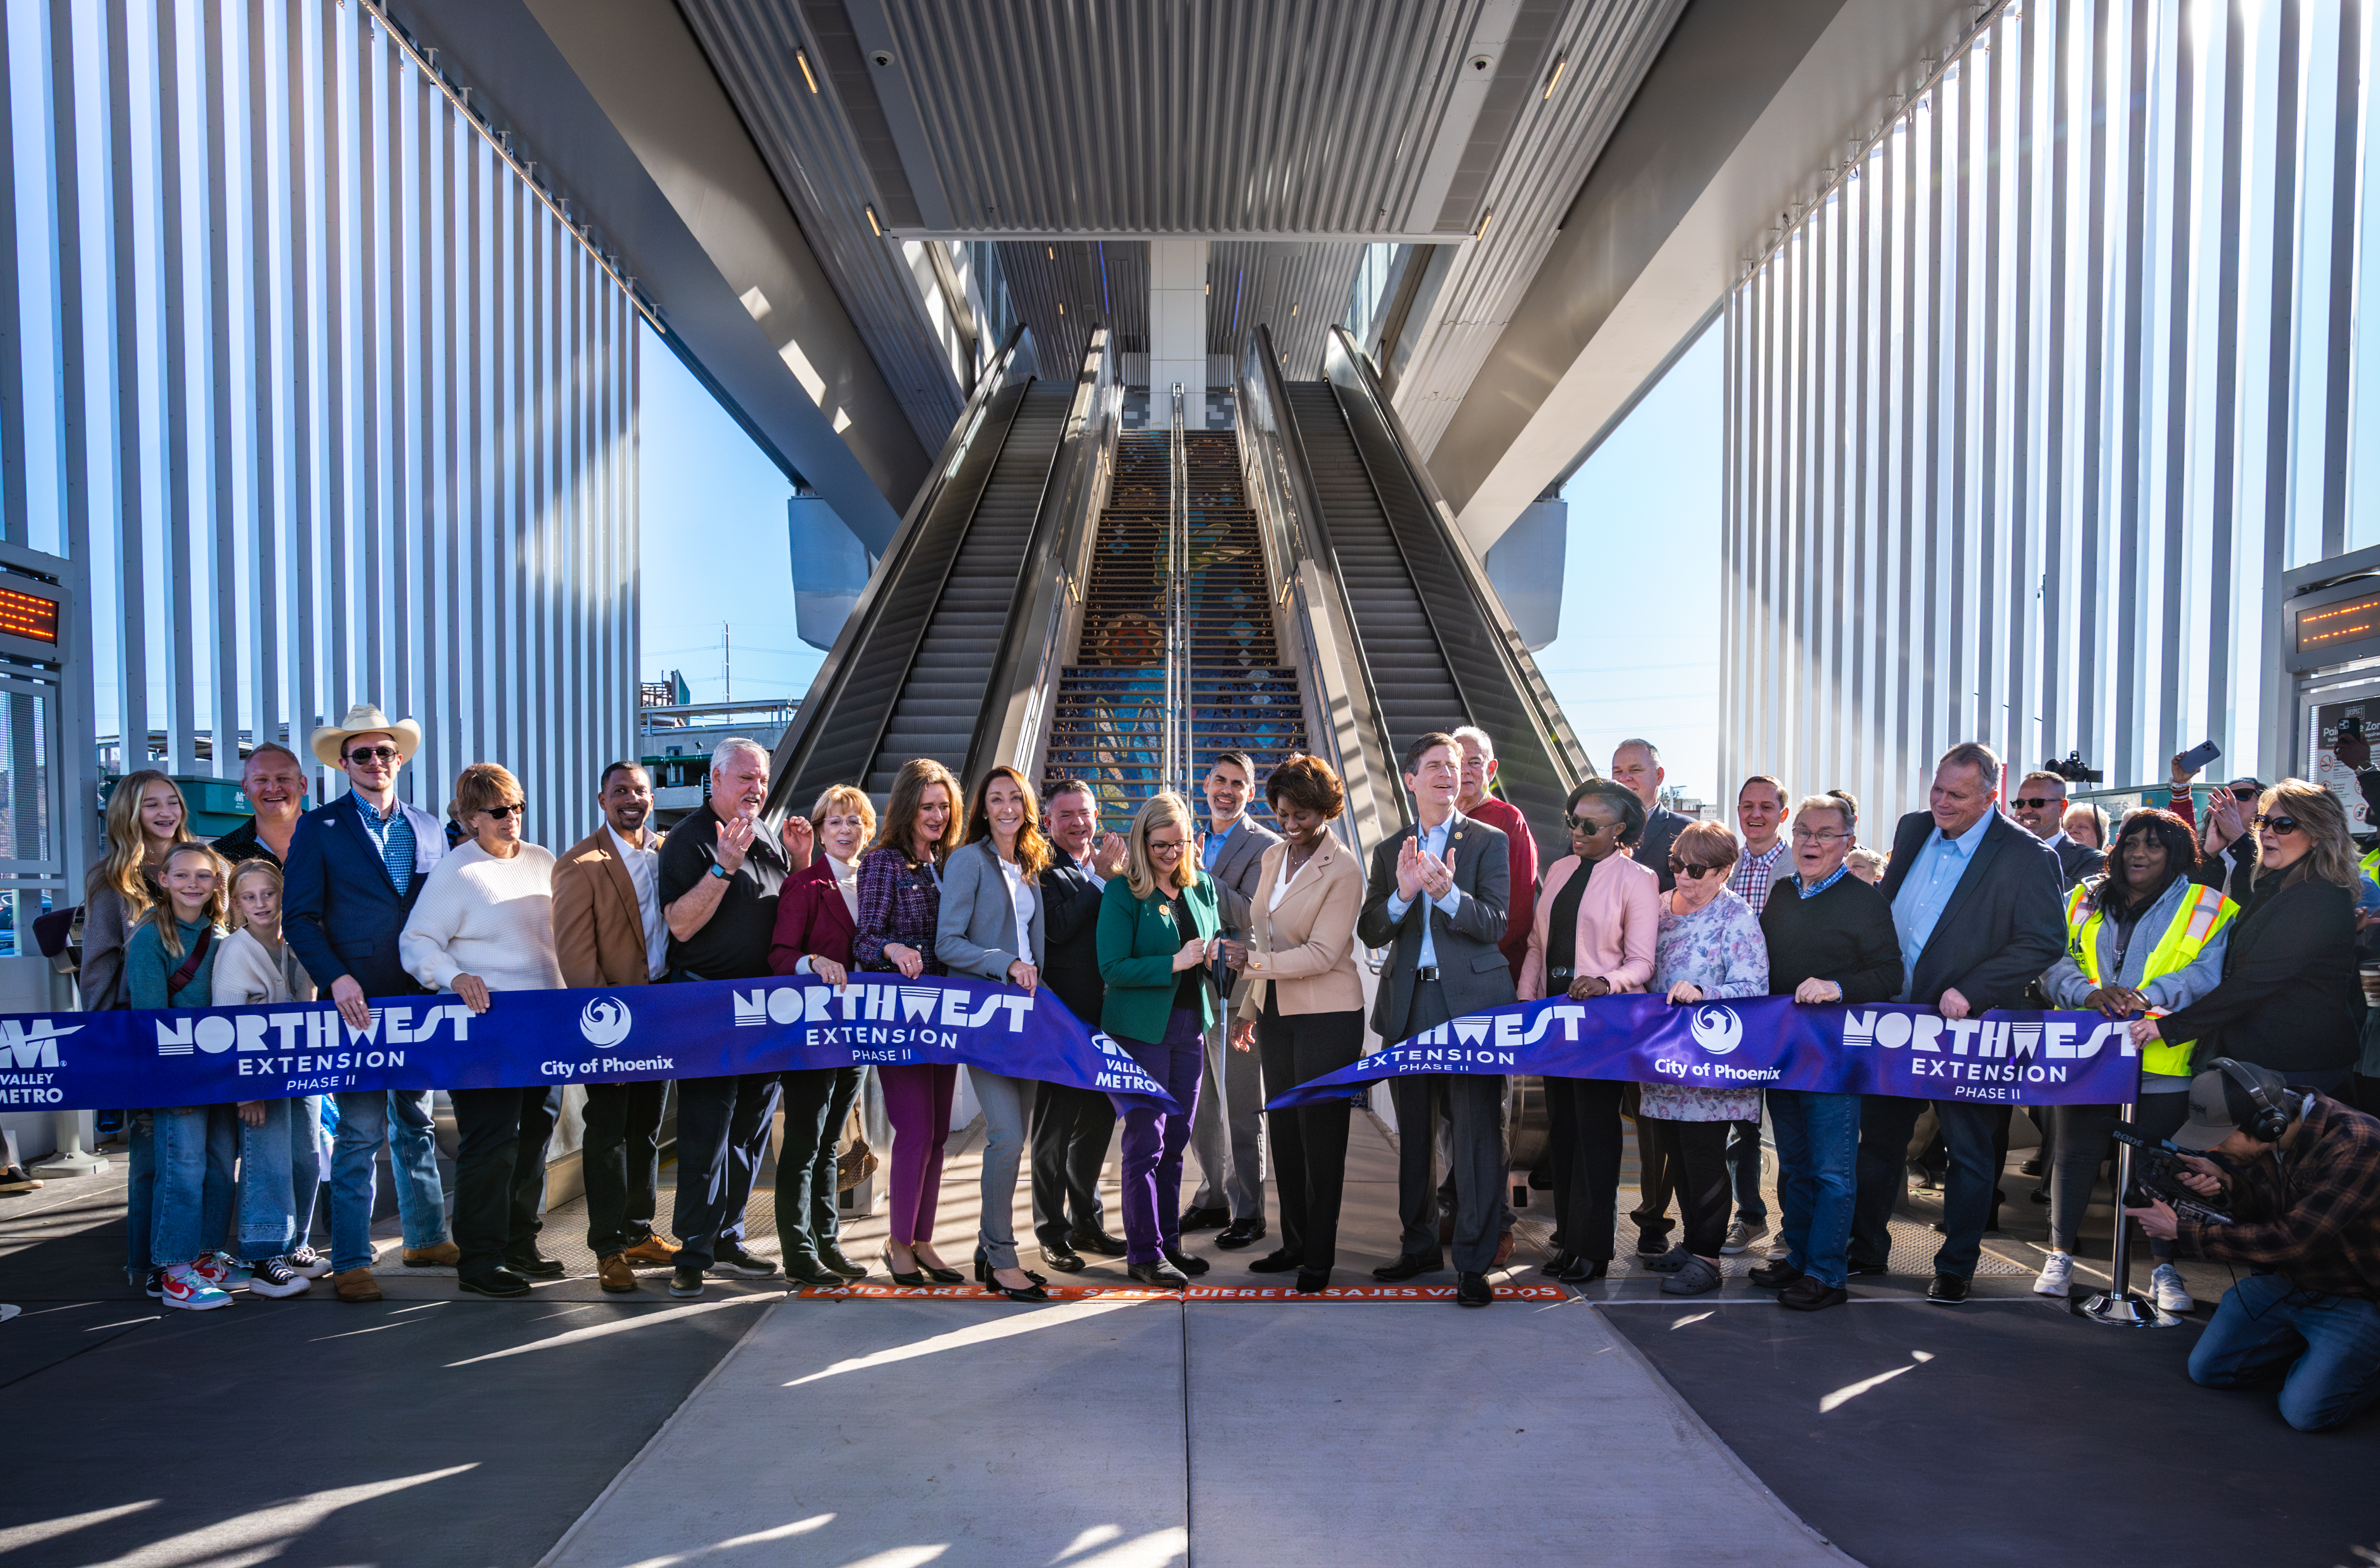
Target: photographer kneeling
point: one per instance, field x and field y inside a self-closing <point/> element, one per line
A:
<point x="2304" y="1189"/>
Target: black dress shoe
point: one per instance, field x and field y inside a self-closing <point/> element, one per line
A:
<point x="497" y="1281"/>
<point x="914" y="1280"/>
<point x="729" y="1258"/>
<point x="1947" y="1290"/>
<point x="1856" y="1267"/>
<point x="1189" y="1266"/>
<point x="535" y="1265"/>
<point x="1584" y="1269"/>
<point x="1162" y="1274"/>
<point x="1239" y="1233"/>
<point x="1806" y="1294"/>
<point x="1203" y="1220"/>
<point x="1313" y="1282"/>
<point x="1411" y="1264"/>
<point x="1774" y="1276"/>
<point x="1558" y="1264"/>
<point x="1054" y="1254"/>
<point x="2038" y="1195"/>
<point x="1279" y="1261"/>
<point x="1029" y="1292"/>
<point x="832" y="1256"/>
<point x="1472" y="1290"/>
<point x="1096" y="1243"/>
<point x="803" y="1269"/>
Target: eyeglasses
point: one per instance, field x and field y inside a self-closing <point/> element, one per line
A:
<point x="2246" y="791"/>
<point x="2281" y="825"/>
<point x="1163" y="847"/>
<point x="1804" y="835"/>
<point x="372" y="754"/>
<point x="501" y="812"/>
<point x="1588" y="826"/>
<point x="1693" y="872"/>
<point x="2037" y="802"/>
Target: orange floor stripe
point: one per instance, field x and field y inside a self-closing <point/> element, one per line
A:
<point x="866" y="1291"/>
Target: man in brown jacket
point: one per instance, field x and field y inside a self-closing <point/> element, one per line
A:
<point x="608" y="931"/>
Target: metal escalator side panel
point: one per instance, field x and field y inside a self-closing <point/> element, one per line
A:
<point x="821" y="714"/>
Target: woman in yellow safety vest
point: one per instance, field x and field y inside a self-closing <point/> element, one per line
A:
<point x="2141" y="938"/>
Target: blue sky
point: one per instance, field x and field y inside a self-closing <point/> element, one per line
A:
<point x="1639" y="648"/>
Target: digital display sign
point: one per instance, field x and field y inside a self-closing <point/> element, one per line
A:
<point x="2348" y="620"/>
<point x="28" y="615"/>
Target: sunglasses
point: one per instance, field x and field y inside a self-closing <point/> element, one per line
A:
<point x="2036" y="802"/>
<point x="1694" y="871"/>
<point x="2281" y="825"/>
<point x="1588" y="825"/>
<point x="372" y="754"/>
<point x="501" y="812"/>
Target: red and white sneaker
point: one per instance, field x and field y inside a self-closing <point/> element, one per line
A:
<point x="185" y="1287"/>
<point x="223" y="1273"/>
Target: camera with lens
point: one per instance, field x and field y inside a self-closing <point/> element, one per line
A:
<point x="2073" y="770"/>
<point x="2156" y="1177"/>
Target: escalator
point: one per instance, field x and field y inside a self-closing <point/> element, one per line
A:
<point x="917" y="665"/>
<point x="1395" y="620"/>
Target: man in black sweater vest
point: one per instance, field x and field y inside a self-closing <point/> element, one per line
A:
<point x="1830" y="941"/>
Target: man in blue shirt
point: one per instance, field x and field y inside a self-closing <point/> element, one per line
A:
<point x="1978" y="903"/>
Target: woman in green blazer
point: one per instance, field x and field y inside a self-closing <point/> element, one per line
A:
<point x="1157" y="935"/>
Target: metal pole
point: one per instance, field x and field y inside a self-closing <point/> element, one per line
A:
<point x="2118" y="1304"/>
<point x="1177" y="604"/>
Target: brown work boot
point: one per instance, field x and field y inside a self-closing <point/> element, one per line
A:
<point x="612" y="1271"/>
<point x="356" y="1285"/>
<point x="446" y="1255"/>
<point x="650" y="1253"/>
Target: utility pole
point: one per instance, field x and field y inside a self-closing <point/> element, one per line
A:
<point x="727" y="660"/>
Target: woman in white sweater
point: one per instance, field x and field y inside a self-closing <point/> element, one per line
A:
<point x="484" y="924"/>
<point x="279" y="1140"/>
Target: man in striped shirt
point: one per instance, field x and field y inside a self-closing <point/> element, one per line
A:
<point x="1760" y="813"/>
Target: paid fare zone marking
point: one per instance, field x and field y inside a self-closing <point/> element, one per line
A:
<point x="867" y="1291"/>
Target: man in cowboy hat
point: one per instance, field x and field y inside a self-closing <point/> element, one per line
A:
<point x="355" y="866"/>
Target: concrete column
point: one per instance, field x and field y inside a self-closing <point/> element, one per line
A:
<point x="1177" y="330"/>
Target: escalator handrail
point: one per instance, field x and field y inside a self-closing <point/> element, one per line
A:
<point x="834" y="674"/>
<point x="1519" y="668"/>
<point x="1305" y="541"/>
<point x="1031" y="640"/>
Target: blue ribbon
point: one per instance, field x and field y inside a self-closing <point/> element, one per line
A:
<point x="214" y="1055"/>
<point x="2013" y="1058"/>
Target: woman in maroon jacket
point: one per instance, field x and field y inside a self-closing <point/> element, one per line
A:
<point x="900" y="905"/>
<point x="818" y="914"/>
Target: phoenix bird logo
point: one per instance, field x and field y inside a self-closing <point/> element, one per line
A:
<point x="604" y="1021"/>
<point x="1717" y="1030"/>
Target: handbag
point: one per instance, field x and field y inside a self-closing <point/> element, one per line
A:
<point x="856" y="1163"/>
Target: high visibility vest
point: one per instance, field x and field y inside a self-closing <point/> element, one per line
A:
<point x="2194" y="925"/>
<point x="2371" y="864"/>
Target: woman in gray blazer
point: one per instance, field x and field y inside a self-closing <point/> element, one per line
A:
<point x="990" y="895"/>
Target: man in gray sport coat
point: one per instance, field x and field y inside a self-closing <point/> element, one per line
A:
<point x="1228" y="1135"/>
<point x="1437" y="899"/>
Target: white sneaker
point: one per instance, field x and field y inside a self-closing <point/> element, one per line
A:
<point x="309" y="1262"/>
<point x="2172" y="1295"/>
<point x="274" y="1277"/>
<point x="1741" y="1235"/>
<point x="2057" y="1276"/>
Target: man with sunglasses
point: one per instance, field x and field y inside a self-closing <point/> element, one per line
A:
<point x="1436" y="896"/>
<point x="1977" y="903"/>
<point x="355" y="872"/>
<point x="2040" y="808"/>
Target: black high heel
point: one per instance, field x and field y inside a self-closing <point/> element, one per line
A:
<point x="983" y="1277"/>
<point x="940" y="1276"/>
<point x="912" y="1278"/>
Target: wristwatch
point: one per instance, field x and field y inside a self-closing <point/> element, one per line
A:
<point x="718" y="870"/>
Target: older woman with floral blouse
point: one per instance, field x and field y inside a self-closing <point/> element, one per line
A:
<point x="1708" y="947"/>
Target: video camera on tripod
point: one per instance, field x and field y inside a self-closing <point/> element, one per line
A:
<point x="2156" y="1177"/>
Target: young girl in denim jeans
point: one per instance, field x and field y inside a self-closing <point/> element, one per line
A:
<point x="169" y="962"/>
<point x="279" y="1140"/>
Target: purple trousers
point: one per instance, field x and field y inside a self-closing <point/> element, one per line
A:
<point x="1153" y="1143"/>
<point x="917" y="1102"/>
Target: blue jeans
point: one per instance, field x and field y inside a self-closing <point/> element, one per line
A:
<point x="178" y="1201"/>
<point x="1817" y="1148"/>
<point x="1743" y="1170"/>
<point x="279" y="1169"/>
<point x="399" y="1118"/>
<point x="2323" y="1350"/>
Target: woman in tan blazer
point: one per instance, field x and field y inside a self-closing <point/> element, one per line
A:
<point x="1304" y="1010"/>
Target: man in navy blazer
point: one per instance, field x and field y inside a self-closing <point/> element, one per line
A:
<point x="356" y="867"/>
<point x="1978" y="903"/>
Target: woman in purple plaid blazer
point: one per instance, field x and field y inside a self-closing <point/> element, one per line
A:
<point x="900" y="902"/>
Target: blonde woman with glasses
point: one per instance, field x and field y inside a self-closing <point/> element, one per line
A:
<point x="1158" y="933"/>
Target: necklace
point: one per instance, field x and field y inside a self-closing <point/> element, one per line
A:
<point x="1296" y="862"/>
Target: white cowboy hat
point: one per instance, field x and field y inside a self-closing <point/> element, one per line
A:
<point x="364" y="719"/>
